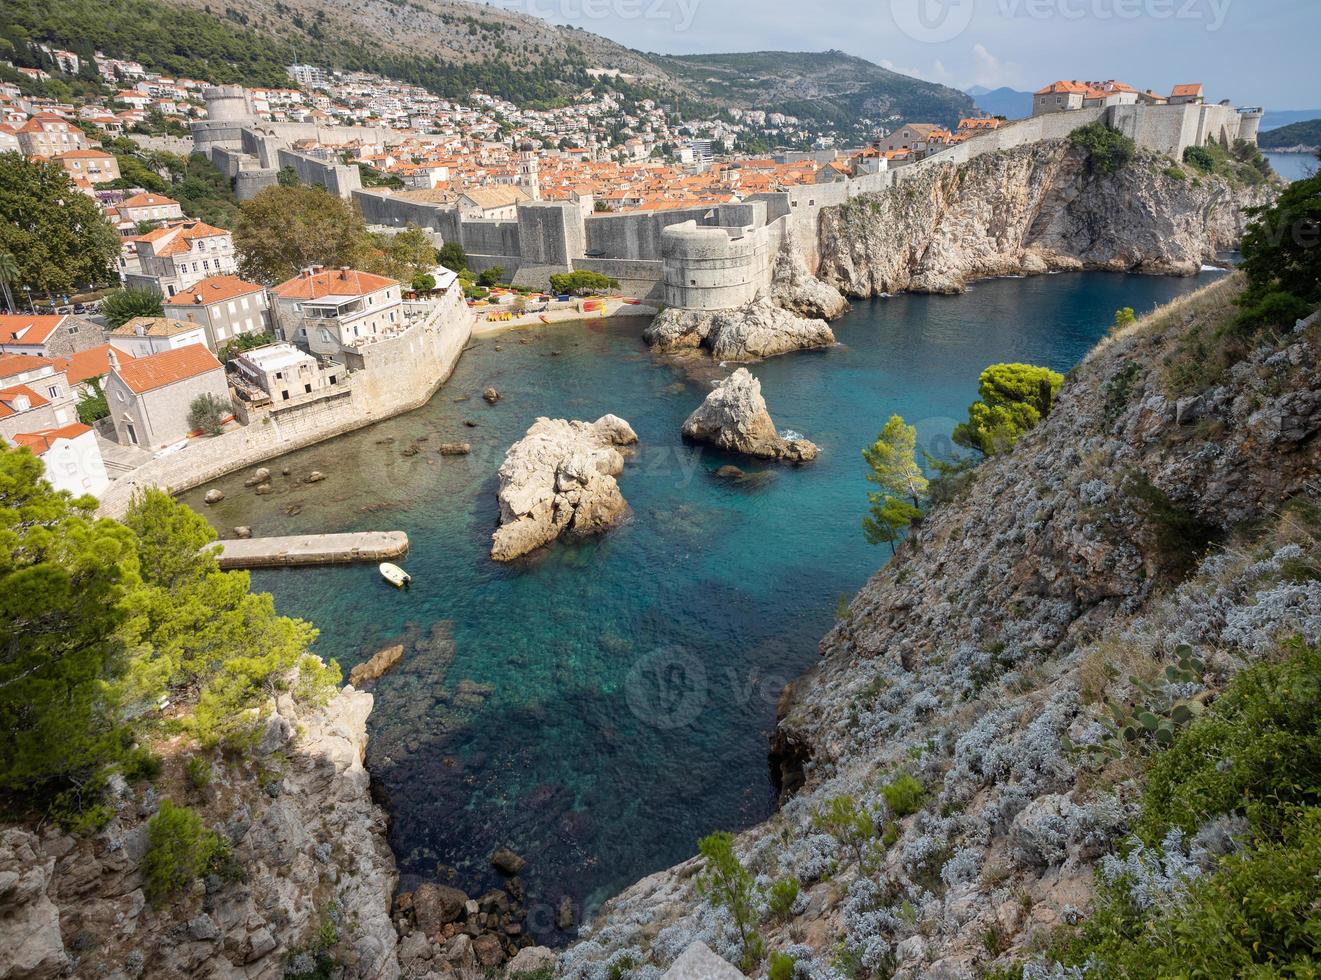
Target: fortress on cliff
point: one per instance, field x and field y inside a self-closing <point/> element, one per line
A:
<point x="709" y="257"/>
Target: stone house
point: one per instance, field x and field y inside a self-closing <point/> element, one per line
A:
<point x="150" y="397"/>
<point x="146" y="335"/>
<point x="326" y="311"/>
<point x="225" y="306"/>
<point x="96" y="166"/>
<point x="71" y="456"/>
<point x="87" y="367"/>
<point x="24" y="409"/>
<point x="57" y="335"/>
<point x="171" y="260"/>
<point x="149" y="207"/>
<point x="496" y="202"/>
<point x="909" y="136"/>
<point x="49" y="135"/>
<point x="45" y="376"/>
<point x="285" y="373"/>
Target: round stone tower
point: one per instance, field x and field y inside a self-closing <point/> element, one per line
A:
<point x="708" y="268"/>
<point x="227" y="114"/>
<point x="1249" y="123"/>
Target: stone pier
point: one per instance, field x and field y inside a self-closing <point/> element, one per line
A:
<point x="312" y="549"/>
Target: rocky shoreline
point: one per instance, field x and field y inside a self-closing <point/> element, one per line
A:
<point x="1029" y="211"/>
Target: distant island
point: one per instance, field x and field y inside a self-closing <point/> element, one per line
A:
<point x="1302" y="137"/>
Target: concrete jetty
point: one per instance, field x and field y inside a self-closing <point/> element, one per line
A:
<point x="312" y="549"/>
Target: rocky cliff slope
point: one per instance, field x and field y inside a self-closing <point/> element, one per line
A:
<point x="1030" y="210"/>
<point x="943" y="698"/>
<point x="312" y="876"/>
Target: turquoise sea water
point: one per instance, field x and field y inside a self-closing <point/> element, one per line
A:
<point x="600" y="706"/>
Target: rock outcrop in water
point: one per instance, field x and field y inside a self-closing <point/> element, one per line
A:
<point x="1025" y="211"/>
<point x="560" y="479"/>
<point x="746" y="333"/>
<point x="734" y="417"/>
<point x="307" y="837"/>
<point x="794" y="288"/>
<point x="1009" y="617"/>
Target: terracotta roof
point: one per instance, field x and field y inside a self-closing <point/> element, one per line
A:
<point x="496" y="196"/>
<point x="148" y="200"/>
<point x="9" y="398"/>
<point x="174" y="239"/>
<point x="23" y="329"/>
<point x="1186" y="90"/>
<point x="158" y="370"/>
<point x="91" y="363"/>
<point x="213" y="289"/>
<point x="331" y="282"/>
<point x="84" y="155"/>
<point x="12" y="365"/>
<point x="153" y="326"/>
<point x="1072" y="86"/>
<point x="41" y="441"/>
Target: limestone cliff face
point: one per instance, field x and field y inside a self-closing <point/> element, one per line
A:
<point x="1008" y="615"/>
<point x="1031" y="210"/>
<point x="304" y="830"/>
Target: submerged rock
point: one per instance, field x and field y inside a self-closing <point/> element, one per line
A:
<point x="454" y="448"/>
<point x="377" y="666"/>
<point x="214" y="496"/>
<point x="260" y="475"/>
<point x="745" y="333"/>
<point x="734" y="417"/>
<point x="507" y="862"/>
<point x="560" y="479"/>
<point x="316" y="476"/>
<point x="491" y="395"/>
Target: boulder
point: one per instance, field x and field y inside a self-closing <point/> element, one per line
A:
<point x="214" y="496"/>
<point x="264" y="488"/>
<point x="434" y="906"/>
<point x="491" y="395"/>
<point x="488" y="951"/>
<point x="530" y="959"/>
<point x="30" y="925"/>
<point x="698" y="962"/>
<point x="507" y="862"/>
<point x="242" y="531"/>
<point x="560" y="479"/>
<point x="745" y="333"/>
<point x="454" y="448"/>
<point x="316" y="476"/>
<point x="260" y="475"/>
<point x="734" y="417"/>
<point x="377" y="666"/>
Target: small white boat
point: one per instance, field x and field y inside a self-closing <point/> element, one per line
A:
<point x="395" y="575"/>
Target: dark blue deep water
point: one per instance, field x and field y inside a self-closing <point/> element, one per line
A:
<point x="600" y="706"/>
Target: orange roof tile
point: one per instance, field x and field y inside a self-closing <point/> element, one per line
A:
<point x="19" y="328"/>
<point x="12" y="365"/>
<point x="148" y="200"/>
<point x="213" y="289"/>
<point x="41" y="441"/>
<point x="158" y="370"/>
<point x="91" y="363"/>
<point x="332" y="282"/>
<point x="9" y="400"/>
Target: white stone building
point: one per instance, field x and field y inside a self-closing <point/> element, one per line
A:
<point x="71" y="456"/>
<point x="226" y="306"/>
<point x="328" y="310"/>
<point x="171" y="260"/>
<point x="149" y="398"/>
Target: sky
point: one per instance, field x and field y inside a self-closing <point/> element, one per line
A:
<point x="1254" y="52"/>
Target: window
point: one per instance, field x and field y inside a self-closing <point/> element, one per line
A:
<point x="53" y="391"/>
<point x="307" y="389"/>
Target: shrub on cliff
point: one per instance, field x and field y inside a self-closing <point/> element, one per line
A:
<point x="1108" y="151"/>
<point x="180" y="849"/>
<point x="1239" y="793"/>
<point x="901" y="484"/>
<point x="1014" y="399"/>
<point x="726" y="884"/>
<point x="1282" y="259"/>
